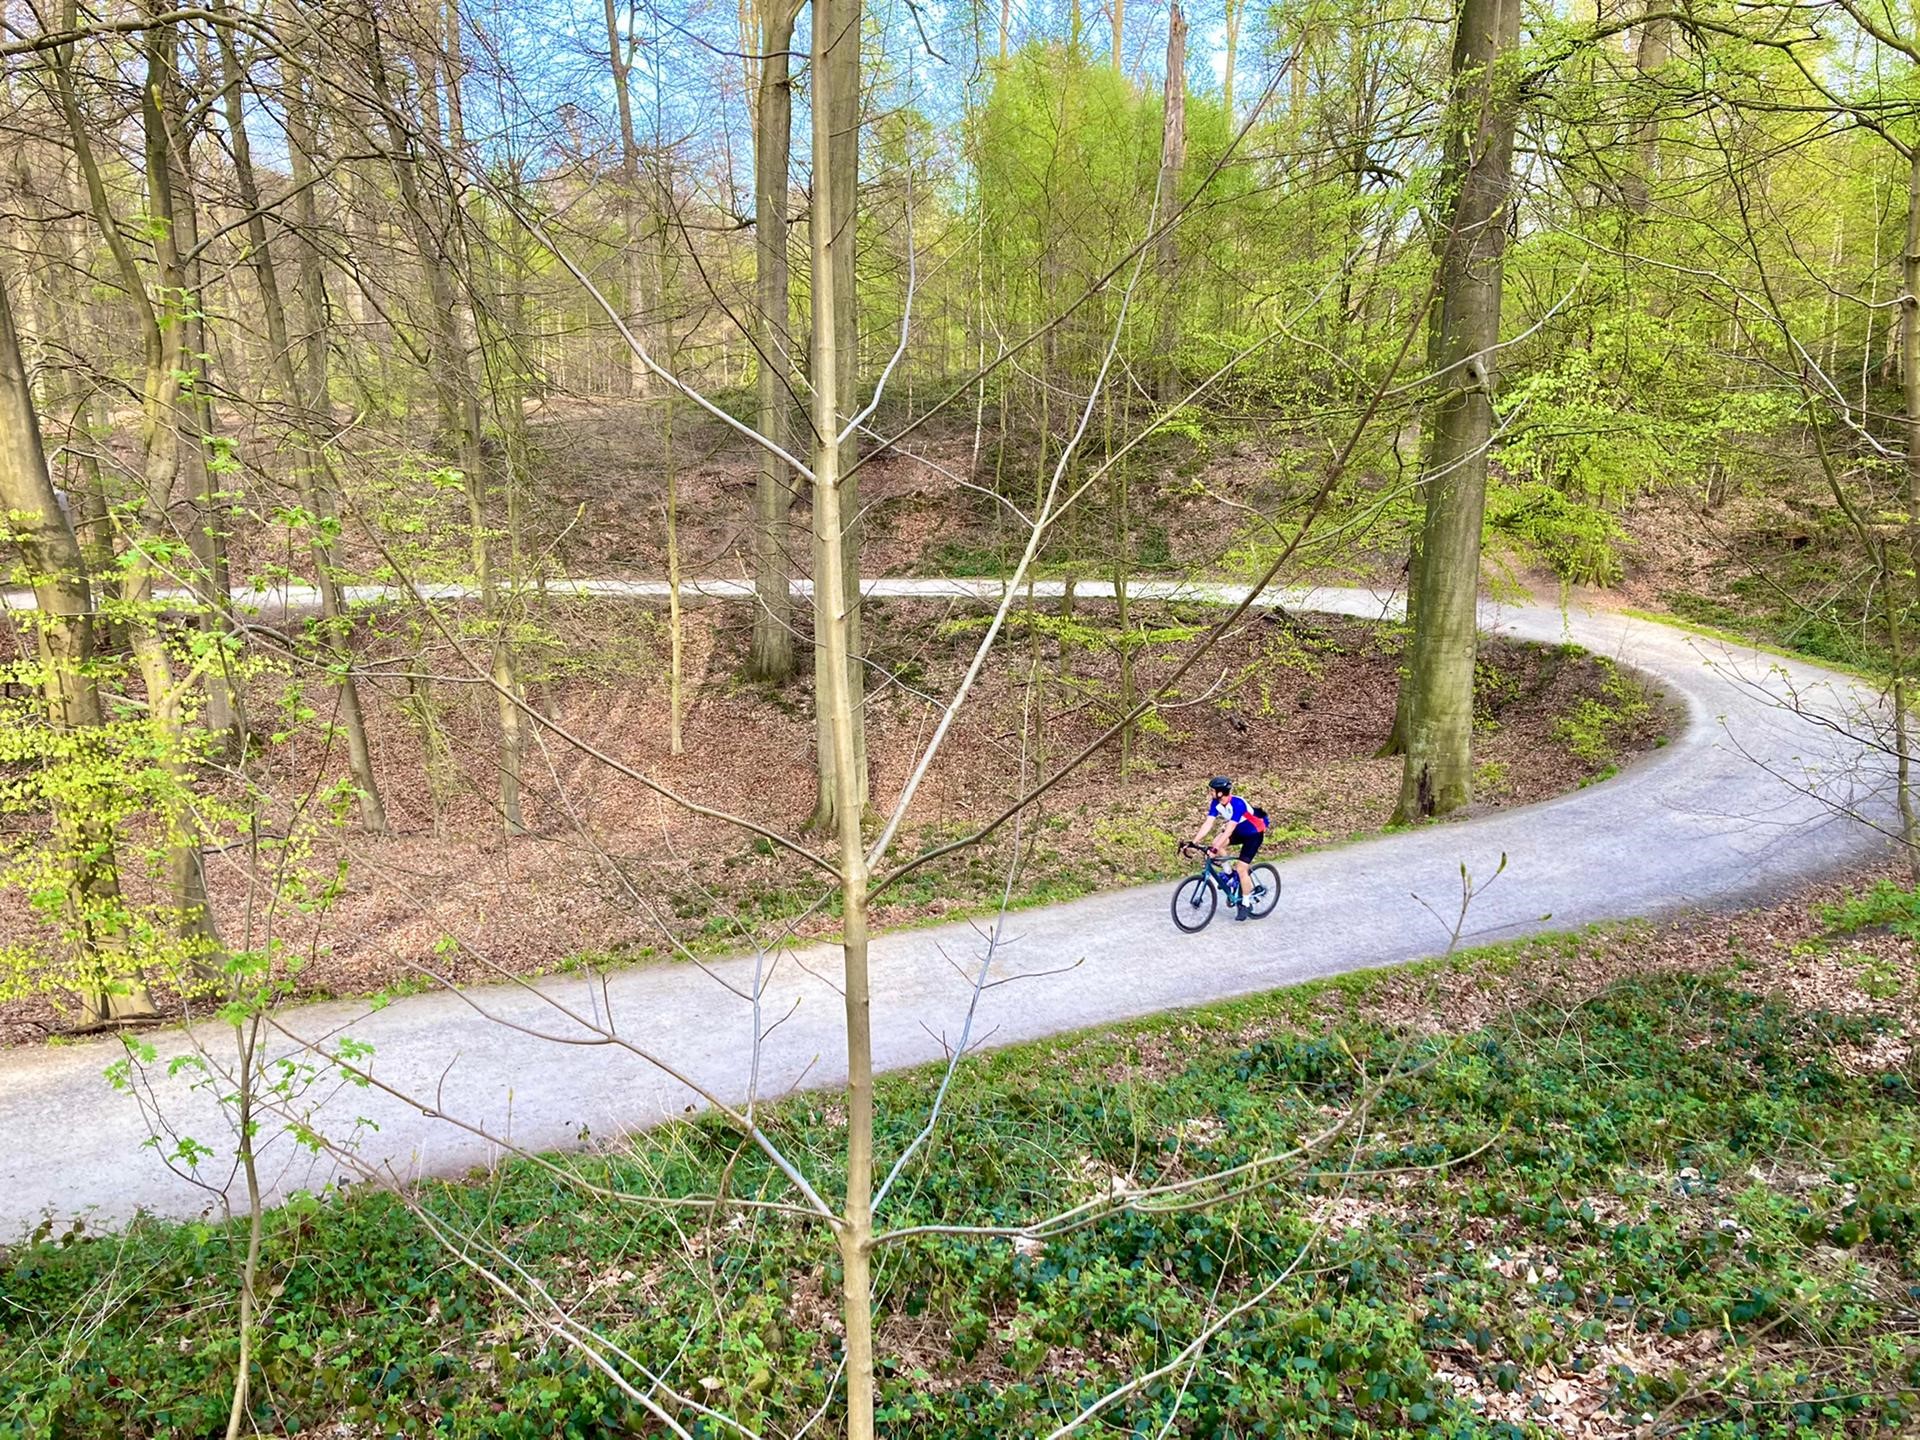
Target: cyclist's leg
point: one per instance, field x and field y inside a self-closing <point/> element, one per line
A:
<point x="1249" y="841"/>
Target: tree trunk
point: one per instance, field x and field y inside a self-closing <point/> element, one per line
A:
<point x="1910" y="394"/>
<point x="1438" y="777"/>
<point x="182" y="277"/>
<point x="76" y="317"/>
<point x="1122" y="574"/>
<point x="667" y="346"/>
<point x="457" y="393"/>
<point x="161" y="371"/>
<point x="366" y="326"/>
<point x="63" y="631"/>
<point x="1649" y="58"/>
<point x="635" y="269"/>
<point x="247" y="1131"/>
<point x="162" y="445"/>
<point x="836" y="33"/>
<point x="676" y="644"/>
<point x="307" y="399"/>
<point x="436" y="752"/>
<point x="1396" y="741"/>
<point x="841" y="21"/>
<point x="1119" y="33"/>
<point x="482" y="334"/>
<point x="1173" y="158"/>
<point x="87" y="428"/>
<point x="1234" y="10"/>
<point x="771" y="657"/>
<point x="160" y="383"/>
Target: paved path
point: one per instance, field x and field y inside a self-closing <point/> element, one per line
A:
<point x="1718" y="817"/>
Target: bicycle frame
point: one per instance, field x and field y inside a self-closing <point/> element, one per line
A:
<point x="1219" y="869"/>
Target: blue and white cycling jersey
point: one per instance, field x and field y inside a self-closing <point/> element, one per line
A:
<point x="1236" y="809"/>
<point x="1237" y="814"/>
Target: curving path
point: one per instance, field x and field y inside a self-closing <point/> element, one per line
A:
<point x="1721" y="816"/>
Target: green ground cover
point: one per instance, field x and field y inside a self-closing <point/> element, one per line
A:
<point x="1679" y="1198"/>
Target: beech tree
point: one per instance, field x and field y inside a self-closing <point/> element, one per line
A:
<point x="841" y="744"/>
<point x="165" y="432"/>
<point x="1476" y="178"/>
<point x="770" y="76"/>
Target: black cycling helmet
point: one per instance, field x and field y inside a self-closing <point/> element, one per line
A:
<point x="1222" y="784"/>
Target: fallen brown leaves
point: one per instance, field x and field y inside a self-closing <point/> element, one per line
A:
<point x="1296" y="705"/>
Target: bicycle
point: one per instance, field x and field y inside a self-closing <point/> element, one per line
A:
<point x="1195" y="899"/>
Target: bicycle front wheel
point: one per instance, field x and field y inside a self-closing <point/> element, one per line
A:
<point x="1265" y="893"/>
<point x="1194" y="902"/>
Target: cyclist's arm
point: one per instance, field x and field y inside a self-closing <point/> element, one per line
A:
<point x="1206" y="823"/>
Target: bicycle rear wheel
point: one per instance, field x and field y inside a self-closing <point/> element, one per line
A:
<point x="1265" y="894"/>
<point x="1194" y="902"/>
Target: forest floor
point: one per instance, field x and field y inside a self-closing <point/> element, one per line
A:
<point x="1762" y="552"/>
<point x="1774" y="565"/>
<point x="599" y="508"/>
<point x="1643" y="1179"/>
<point x="1294" y="707"/>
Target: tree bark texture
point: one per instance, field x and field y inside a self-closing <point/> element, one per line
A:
<point x="1173" y="159"/>
<point x="771" y="656"/>
<point x="1651" y="52"/>
<point x="181" y="275"/>
<point x="838" y="182"/>
<point x="162" y="365"/>
<point x="836" y="33"/>
<point x="1910" y="396"/>
<point x="1438" y="776"/>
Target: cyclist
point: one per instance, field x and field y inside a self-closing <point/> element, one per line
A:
<point x="1239" y="824"/>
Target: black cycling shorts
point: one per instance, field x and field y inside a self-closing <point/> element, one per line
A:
<point x="1248" y="838"/>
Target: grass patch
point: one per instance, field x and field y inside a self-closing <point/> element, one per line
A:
<point x="1681" y="1202"/>
<point x="1886" y="906"/>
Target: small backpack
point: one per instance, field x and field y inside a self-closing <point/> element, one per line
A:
<point x="1258" y="819"/>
